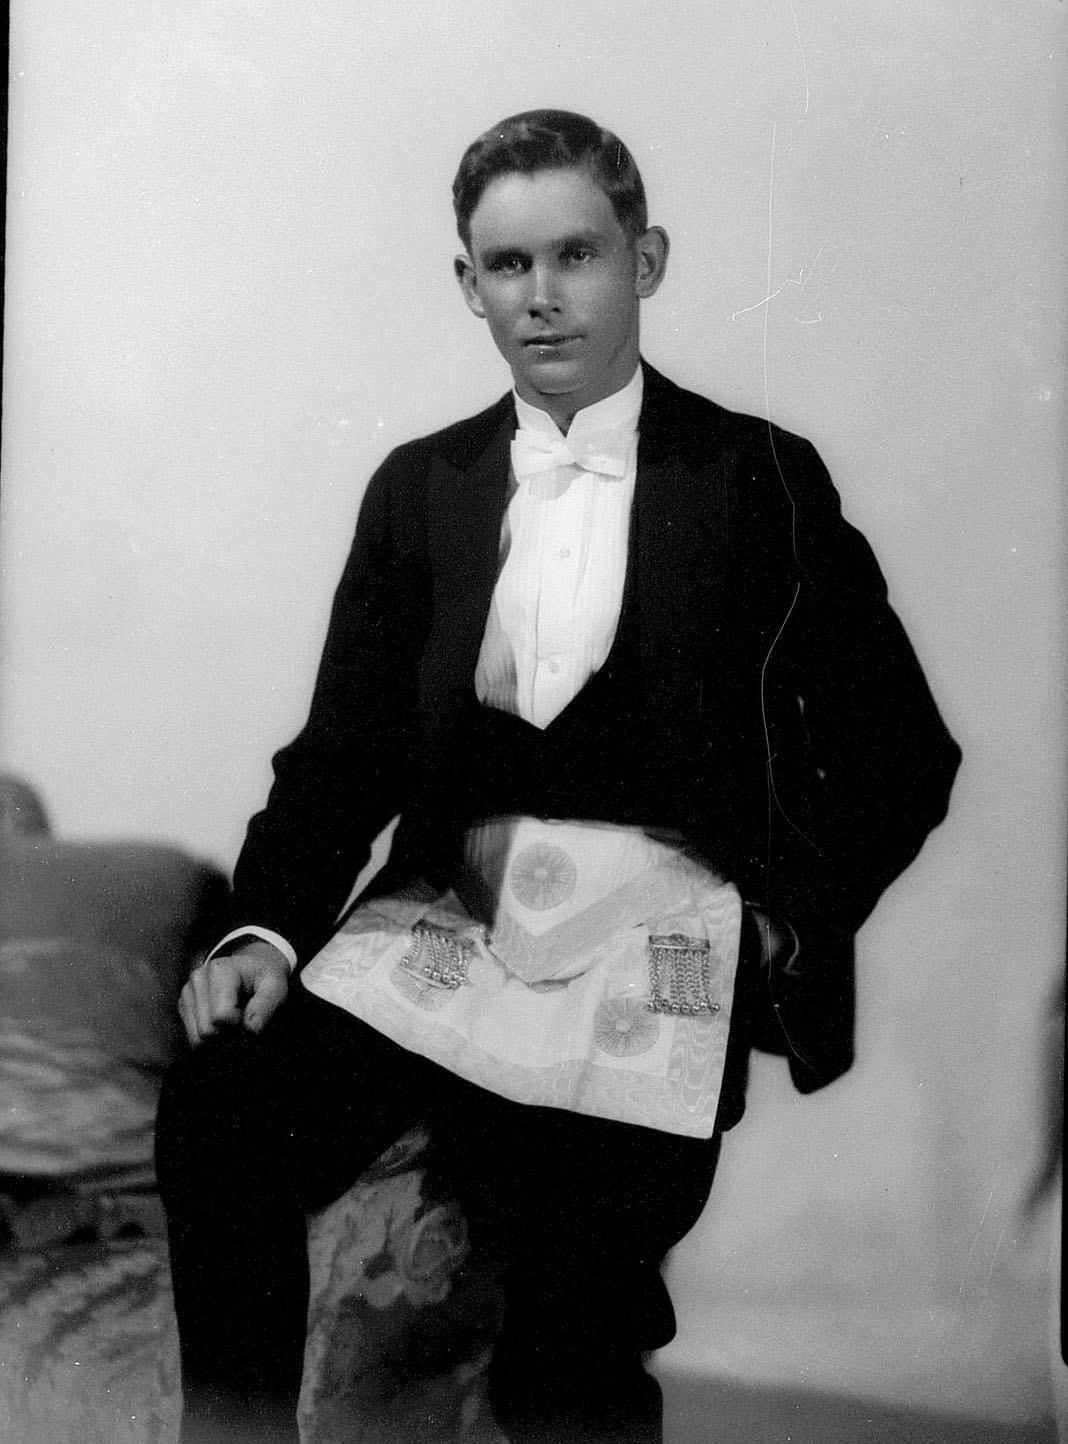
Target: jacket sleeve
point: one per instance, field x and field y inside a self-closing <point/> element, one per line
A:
<point x="342" y="779"/>
<point x="859" y="762"/>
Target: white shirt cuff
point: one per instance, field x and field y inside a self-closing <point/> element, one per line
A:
<point x="275" y="939"/>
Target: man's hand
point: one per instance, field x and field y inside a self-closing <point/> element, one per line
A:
<point x="776" y="946"/>
<point x="240" y="989"/>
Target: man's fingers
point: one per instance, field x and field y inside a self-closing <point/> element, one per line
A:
<point x="193" y="1005"/>
<point x="269" y="991"/>
<point x="224" y="983"/>
<point x="198" y="989"/>
<point x="187" y="1013"/>
<point x="210" y="998"/>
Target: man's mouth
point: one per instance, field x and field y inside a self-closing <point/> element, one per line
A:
<point x="549" y="342"/>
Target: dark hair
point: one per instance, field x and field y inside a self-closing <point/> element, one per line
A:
<point x="540" y="140"/>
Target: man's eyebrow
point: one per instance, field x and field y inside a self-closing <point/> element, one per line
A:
<point x="590" y="237"/>
<point x="581" y="238"/>
<point x="489" y="254"/>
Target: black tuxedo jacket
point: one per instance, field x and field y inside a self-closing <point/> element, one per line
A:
<point x="809" y="758"/>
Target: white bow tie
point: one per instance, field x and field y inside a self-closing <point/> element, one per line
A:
<point x="605" y="453"/>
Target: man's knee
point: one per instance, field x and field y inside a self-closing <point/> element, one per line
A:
<point x="218" y="1117"/>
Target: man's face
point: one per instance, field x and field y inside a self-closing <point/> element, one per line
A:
<point x="559" y="280"/>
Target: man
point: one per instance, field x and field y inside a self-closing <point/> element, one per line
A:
<point x="604" y="600"/>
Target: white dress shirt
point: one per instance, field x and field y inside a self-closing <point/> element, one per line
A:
<point x="556" y="604"/>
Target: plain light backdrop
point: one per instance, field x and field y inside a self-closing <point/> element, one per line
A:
<point x="230" y="292"/>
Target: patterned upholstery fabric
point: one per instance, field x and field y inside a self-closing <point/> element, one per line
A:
<point x="88" y="1345"/>
<point x="81" y="1059"/>
<point x="95" y="939"/>
<point x="401" y="1319"/>
<point x="400" y="1325"/>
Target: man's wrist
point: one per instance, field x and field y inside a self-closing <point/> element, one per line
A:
<point x="250" y="934"/>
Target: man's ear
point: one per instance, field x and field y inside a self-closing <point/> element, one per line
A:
<point x="651" y="252"/>
<point x="464" y="268"/>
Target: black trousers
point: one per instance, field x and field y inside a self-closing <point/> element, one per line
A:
<point x="254" y="1131"/>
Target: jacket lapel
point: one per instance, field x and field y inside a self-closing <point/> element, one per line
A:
<point x="466" y="498"/>
<point x="678" y="550"/>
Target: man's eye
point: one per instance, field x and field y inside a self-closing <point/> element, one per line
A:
<point x="506" y="265"/>
<point x="578" y="255"/>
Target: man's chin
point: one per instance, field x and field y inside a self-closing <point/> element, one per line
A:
<point x="550" y="377"/>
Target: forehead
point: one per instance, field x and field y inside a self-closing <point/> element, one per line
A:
<point x="530" y="212"/>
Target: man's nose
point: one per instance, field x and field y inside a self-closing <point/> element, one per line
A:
<point x="544" y="293"/>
